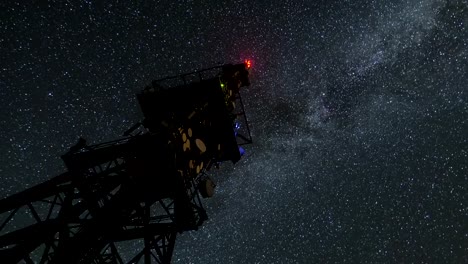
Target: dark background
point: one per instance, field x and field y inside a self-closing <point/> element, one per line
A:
<point x="358" y="110"/>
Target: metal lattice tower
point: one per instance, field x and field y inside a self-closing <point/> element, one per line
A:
<point x="144" y="187"/>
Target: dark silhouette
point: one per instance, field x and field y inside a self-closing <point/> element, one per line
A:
<point x="145" y="186"/>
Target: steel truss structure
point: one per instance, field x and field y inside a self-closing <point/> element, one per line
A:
<point x="143" y="188"/>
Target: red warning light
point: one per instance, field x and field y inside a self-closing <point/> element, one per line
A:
<point x="248" y="64"/>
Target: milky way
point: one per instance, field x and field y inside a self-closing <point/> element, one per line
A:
<point x="358" y="112"/>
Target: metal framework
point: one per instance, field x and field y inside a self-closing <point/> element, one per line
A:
<point x="143" y="188"/>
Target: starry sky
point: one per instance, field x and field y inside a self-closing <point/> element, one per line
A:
<point x="358" y="111"/>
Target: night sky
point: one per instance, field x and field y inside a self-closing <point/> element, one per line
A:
<point x="358" y="109"/>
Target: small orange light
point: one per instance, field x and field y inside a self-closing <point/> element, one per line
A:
<point x="248" y="64"/>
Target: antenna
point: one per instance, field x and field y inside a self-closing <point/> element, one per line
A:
<point x="145" y="187"/>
